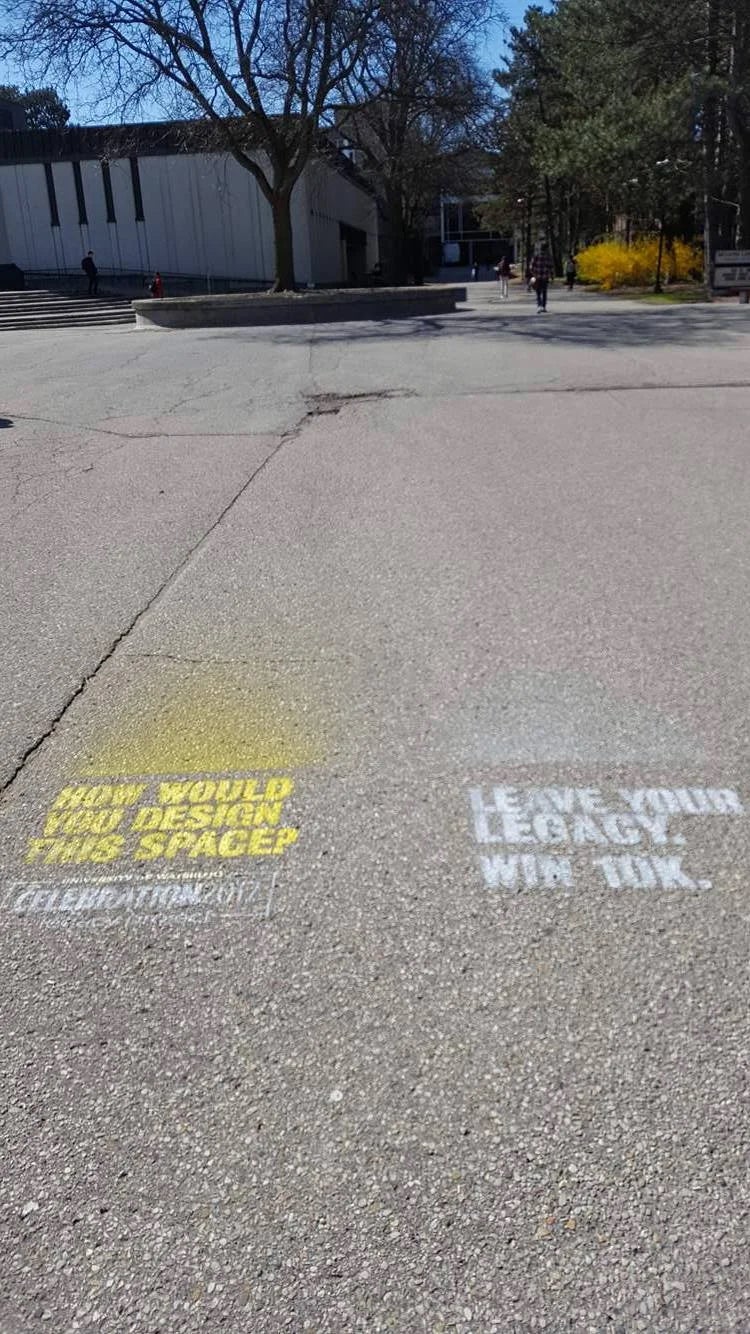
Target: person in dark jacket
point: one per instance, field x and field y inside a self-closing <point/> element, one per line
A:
<point x="92" y="273"/>
<point x="542" y="271"/>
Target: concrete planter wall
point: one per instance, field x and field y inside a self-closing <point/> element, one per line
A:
<point x="250" y="309"/>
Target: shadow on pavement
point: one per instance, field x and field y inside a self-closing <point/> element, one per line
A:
<point x="694" y="327"/>
<point x="5" y="422"/>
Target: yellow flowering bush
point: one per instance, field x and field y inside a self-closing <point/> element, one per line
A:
<point x="611" y="263"/>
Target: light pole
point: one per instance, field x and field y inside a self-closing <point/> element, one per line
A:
<point x="628" y="219"/>
<point x="664" y="167"/>
<point x="664" y="162"/>
<point x="525" y="202"/>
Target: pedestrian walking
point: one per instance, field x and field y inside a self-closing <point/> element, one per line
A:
<point x="157" y="286"/>
<point x="542" y="273"/>
<point x="571" y="272"/>
<point x="92" y="273"/>
<point x="475" y="271"/>
<point x="503" y="274"/>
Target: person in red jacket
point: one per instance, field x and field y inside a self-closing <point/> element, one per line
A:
<point x="157" y="286"/>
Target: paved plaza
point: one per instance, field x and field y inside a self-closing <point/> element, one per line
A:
<point x="375" y="823"/>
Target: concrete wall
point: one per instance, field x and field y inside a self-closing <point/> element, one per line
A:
<point x="204" y="215"/>
<point x="347" y="203"/>
<point x="5" y="255"/>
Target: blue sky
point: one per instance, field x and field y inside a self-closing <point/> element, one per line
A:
<point x="514" y="9"/>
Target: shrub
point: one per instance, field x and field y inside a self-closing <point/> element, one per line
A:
<point x="611" y="263"/>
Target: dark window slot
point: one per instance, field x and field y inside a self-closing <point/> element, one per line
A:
<point x="54" y="216"/>
<point x="80" y="197"/>
<point x="135" y="177"/>
<point x="108" y="196"/>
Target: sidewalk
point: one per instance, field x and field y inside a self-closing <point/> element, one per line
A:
<point x="485" y="295"/>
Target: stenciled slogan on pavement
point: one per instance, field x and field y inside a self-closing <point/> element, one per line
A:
<point x="155" y="845"/>
<point x="163" y="821"/>
<point x="631" y="838"/>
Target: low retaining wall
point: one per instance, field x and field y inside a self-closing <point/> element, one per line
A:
<point x="248" y="308"/>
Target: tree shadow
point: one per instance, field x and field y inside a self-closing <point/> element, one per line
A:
<point x="563" y="325"/>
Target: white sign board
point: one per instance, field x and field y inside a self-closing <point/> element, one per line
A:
<point x="732" y="276"/>
<point x="733" y="256"/>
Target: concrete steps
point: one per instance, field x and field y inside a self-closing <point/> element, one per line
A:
<point x="39" y="309"/>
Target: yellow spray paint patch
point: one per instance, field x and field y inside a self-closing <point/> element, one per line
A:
<point x="191" y="758"/>
<point x="208" y="721"/>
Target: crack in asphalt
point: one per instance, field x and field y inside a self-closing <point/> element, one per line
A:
<point x="604" y="388"/>
<point x="83" y="427"/>
<point x="330" y="404"/>
<point x="57" y="473"/>
<point x="120" y="638"/>
<point x="185" y="397"/>
<point x="318" y="403"/>
<point x="189" y="660"/>
<point x="337" y="400"/>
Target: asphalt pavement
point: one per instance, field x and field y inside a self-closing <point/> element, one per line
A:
<point x="374" y="827"/>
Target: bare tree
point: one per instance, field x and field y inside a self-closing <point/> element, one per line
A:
<point x="261" y="73"/>
<point x="415" y="107"/>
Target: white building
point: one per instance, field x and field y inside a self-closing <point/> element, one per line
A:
<point x="142" y="200"/>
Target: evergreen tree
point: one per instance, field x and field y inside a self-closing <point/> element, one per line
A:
<point x="44" y="108"/>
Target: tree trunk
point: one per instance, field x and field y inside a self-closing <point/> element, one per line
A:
<point x="551" y="230"/>
<point x="281" y="207"/>
<point x="657" y="283"/>
<point x="710" y="144"/>
<point x="741" y="126"/>
<point x="743" y="241"/>
<point x="400" y="256"/>
<point x="563" y="227"/>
